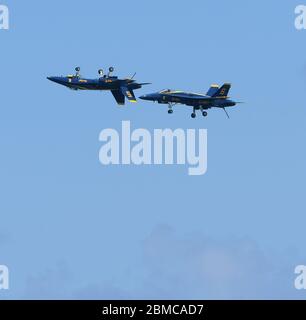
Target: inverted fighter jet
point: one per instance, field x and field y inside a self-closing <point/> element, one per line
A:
<point x="120" y="88"/>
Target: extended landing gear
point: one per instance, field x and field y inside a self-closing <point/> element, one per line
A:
<point x="170" y="110"/>
<point x="77" y="72"/>
<point x="193" y="115"/>
<point x="204" y="113"/>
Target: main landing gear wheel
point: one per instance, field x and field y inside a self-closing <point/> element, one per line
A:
<point x="204" y="113"/>
<point x="193" y="115"/>
<point x="170" y="111"/>
<point x="77" y="74"/>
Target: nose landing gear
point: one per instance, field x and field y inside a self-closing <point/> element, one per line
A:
<point x="170" y="110"/>
<point x="193" y="115"/>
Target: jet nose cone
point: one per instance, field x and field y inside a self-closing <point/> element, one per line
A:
<point x="51" y="78"/>
<point x="55" y="79"/>
<point x="144" y="97"/>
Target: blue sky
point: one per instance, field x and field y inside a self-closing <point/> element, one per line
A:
<point x="70" y="228"/>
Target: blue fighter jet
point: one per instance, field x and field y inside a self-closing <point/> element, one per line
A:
<point x="120" y="88"/>
<point x="216" y="97"/>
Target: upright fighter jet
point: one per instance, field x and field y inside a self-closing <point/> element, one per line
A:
<point x="216" y="97"/>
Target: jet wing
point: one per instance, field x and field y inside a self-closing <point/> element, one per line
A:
<point x="119" y="96"/>
<point x="128" y="93"/>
